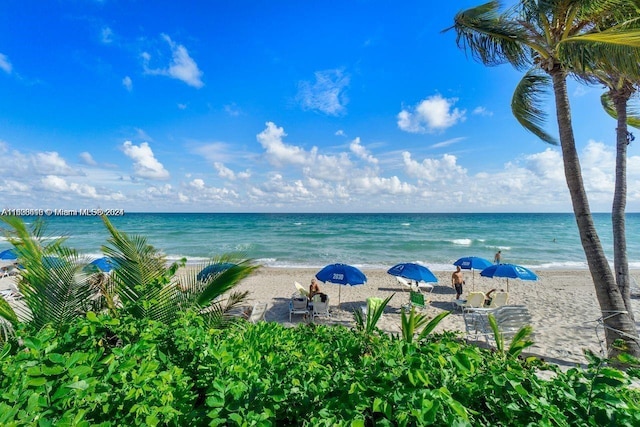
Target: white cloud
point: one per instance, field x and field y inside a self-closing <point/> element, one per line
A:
<point x="326" y="94"/>
<point x="87" y="158"/>
<point x="182" y="67"/>
<point x="67" y="190"/>
<point x="127" y="83"/>
<point x="50" y="162"/>
<point x="145" y="164"/>
<point x="447" y="143"/>
<point x="340" y="132"/>
<point x="106" y="35"/>
<point x="432" y="170"/>
<point x="430" y="115"/>
<point x="362" y="152"/>
<point x="5" y="65"/>
<point x="482" y="111"/>
<point x="277" y="152"/>
<point x="182" y="106"/>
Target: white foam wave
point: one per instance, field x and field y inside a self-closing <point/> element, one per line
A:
<point x="462" y="242"/>
<point x="406" y="224"/>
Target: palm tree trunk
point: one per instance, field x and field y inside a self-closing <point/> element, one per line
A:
<point x="617" y="322"/>
<point x="620" y="262"/>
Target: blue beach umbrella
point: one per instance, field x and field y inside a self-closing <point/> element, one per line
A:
<point x="103" y="264"/>
<point x="473" y="263"/>
<point x="413" y="271"/>
<point x="509" y="271"/>
<point x="213" y="270"/>
<point x="341" y="274"/>
<point x="8" y="254"/>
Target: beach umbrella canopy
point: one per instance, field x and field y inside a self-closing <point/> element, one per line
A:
<point x="103" y="264"/>
<point x="213" y="270"/>
<point x="510" y="271"/>
<point x="341" y="274"/>
<point x="8" y="254"/>
<point x="413" y="271"/>
<point x="473" y="263"/>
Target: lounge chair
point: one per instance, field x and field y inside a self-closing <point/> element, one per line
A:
<point x="499" y="299"/>
<point x="258" y="312"/>
<point x="298" y="305"/>
<point x="474" y="300"/>
<point x="416" y="299"/>
<point x="320" y="308"/>
<point x="301" y="289"/>
<point x="510" y="318"/>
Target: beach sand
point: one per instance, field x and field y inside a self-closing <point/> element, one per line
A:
<point x="562" y="304"/>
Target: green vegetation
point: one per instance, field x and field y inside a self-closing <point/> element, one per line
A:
<point x="130" y="371"/>
<point x="159" y="352"/>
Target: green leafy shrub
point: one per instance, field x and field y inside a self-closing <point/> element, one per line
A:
<point x="130" y="371"/>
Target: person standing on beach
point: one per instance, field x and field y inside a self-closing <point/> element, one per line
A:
<point x="496" y="259"/>
<point x="457" y="280"/>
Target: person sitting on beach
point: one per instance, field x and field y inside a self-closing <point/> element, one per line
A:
<point x="457" y="280"/>
<point x="488" y="297"/>
<point x="313" y="288"/>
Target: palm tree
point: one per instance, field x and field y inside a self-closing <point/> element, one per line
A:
<point x="51" y="280"/>
<point x="550" y="38"/>
<point x="146" y="287"/>
<point x="56" y="286"/>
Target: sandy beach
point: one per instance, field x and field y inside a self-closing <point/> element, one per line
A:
<point x="562" y="304"/>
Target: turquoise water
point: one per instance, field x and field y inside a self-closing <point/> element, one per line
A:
<point x="540" y="241"/>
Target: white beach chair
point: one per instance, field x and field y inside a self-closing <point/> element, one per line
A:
<point x="320" y="308"/>
<point x="258" y="312"/>
<point x="298" y="305"/>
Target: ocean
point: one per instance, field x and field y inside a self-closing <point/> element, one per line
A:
<point x="536" y="240"/>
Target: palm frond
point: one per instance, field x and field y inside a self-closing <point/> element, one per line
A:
<point x="7" y="313"/>
<point x="633" y="113"/>
<point x="51" y="282"/>
<point x="527" y="105"/>
<point x="225" y="281"/>
<point x="615" y="51"/>
<point x="141" y="269"/>
<point x="491" y="37"/>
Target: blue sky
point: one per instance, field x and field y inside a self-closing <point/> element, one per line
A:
<point x="292" y="106"/>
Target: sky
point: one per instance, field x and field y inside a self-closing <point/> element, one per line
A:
<point x="279" y="106"/>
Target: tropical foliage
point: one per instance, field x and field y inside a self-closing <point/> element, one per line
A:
<point x="187" y="373"/>
<point x="57" y="286"/>
<point x="553" y="39"/>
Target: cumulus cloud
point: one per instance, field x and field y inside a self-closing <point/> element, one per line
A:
<point x="430" y="115"/>
<point x="66" y="190"/>
<point x="145" y="164"/>
<point x="182" y="67"/>
<point x="277" y="151"/>
<point x="127" y="83"/>
<point x="326" y="94"/>
<point x="50" y="162"/>
<point x="226" y="173"/>
<point x="87" y="159"/>
<point x="362" y="152"/>
<point x="432" y="170"/>
<point x="5" y="65"/>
